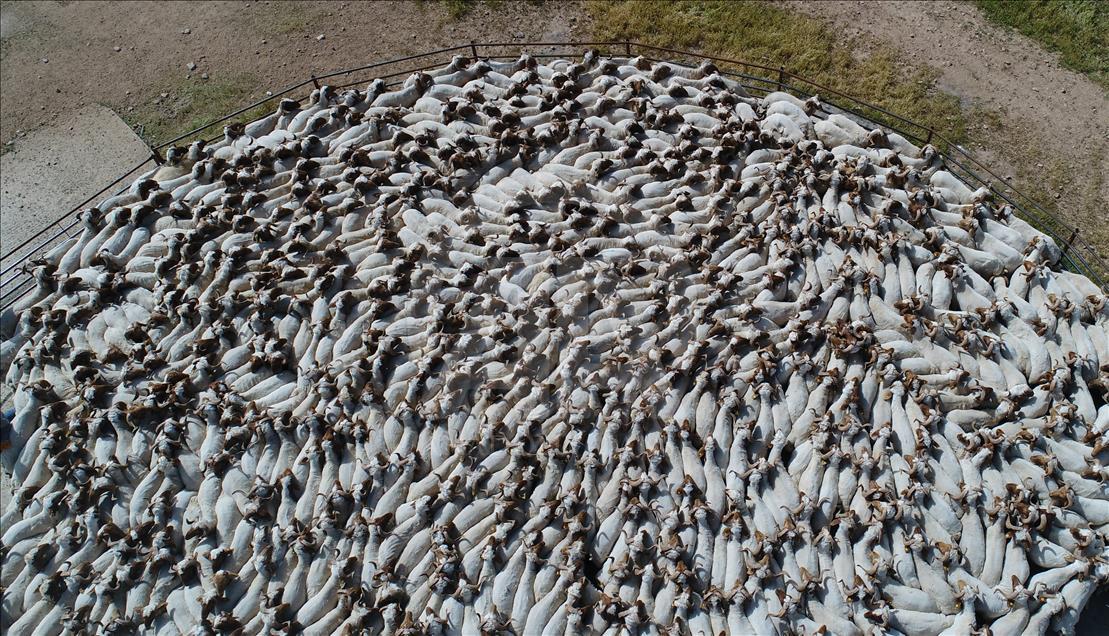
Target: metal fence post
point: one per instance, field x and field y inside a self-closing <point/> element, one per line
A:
<point x="781" y="77"/>
<point x="929" y="139"/>
<point x="315" y="82"/>
<point x="473" y="49"/>
<point x="154" y="154"/>
<point x="627" y="48"/>
<point x="1070" y="241"/>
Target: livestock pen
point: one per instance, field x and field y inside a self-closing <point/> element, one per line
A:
<point x="1078" y="254"/>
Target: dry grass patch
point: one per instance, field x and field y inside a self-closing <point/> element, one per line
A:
<point x="191" y="103"/>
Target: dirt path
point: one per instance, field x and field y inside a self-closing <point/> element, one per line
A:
<point x="1052" y="135"/>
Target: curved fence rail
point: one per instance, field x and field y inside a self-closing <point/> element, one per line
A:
<point x="1078" y="254"/>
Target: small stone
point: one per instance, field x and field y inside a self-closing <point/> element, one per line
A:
<point x="186" y="31"/>
<point x="191" y="66"/>
<point x="320" y="38"/>
<point x="203" y="76"/>
<point x="165" y="95"/>
<point x="118" y="49"/>
<point x="46" y="61"/>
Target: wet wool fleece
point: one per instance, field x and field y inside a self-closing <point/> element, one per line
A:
<point x="554" y="348"/>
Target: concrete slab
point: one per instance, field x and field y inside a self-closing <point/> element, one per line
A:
<point x="54" y="168"/>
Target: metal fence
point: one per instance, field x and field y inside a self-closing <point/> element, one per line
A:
<point x="1079" y="255"/>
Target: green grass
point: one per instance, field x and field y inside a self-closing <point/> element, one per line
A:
<point x="1078" y="30"/>
<point x="761" y="33"/>
<point x="193" y="103"/>
<point x="459" y="8"/>
<point x="286" y="18"/>
<point x="292" y="19"/>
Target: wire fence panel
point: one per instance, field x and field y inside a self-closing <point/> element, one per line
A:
<point x="1078" y="254"/>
